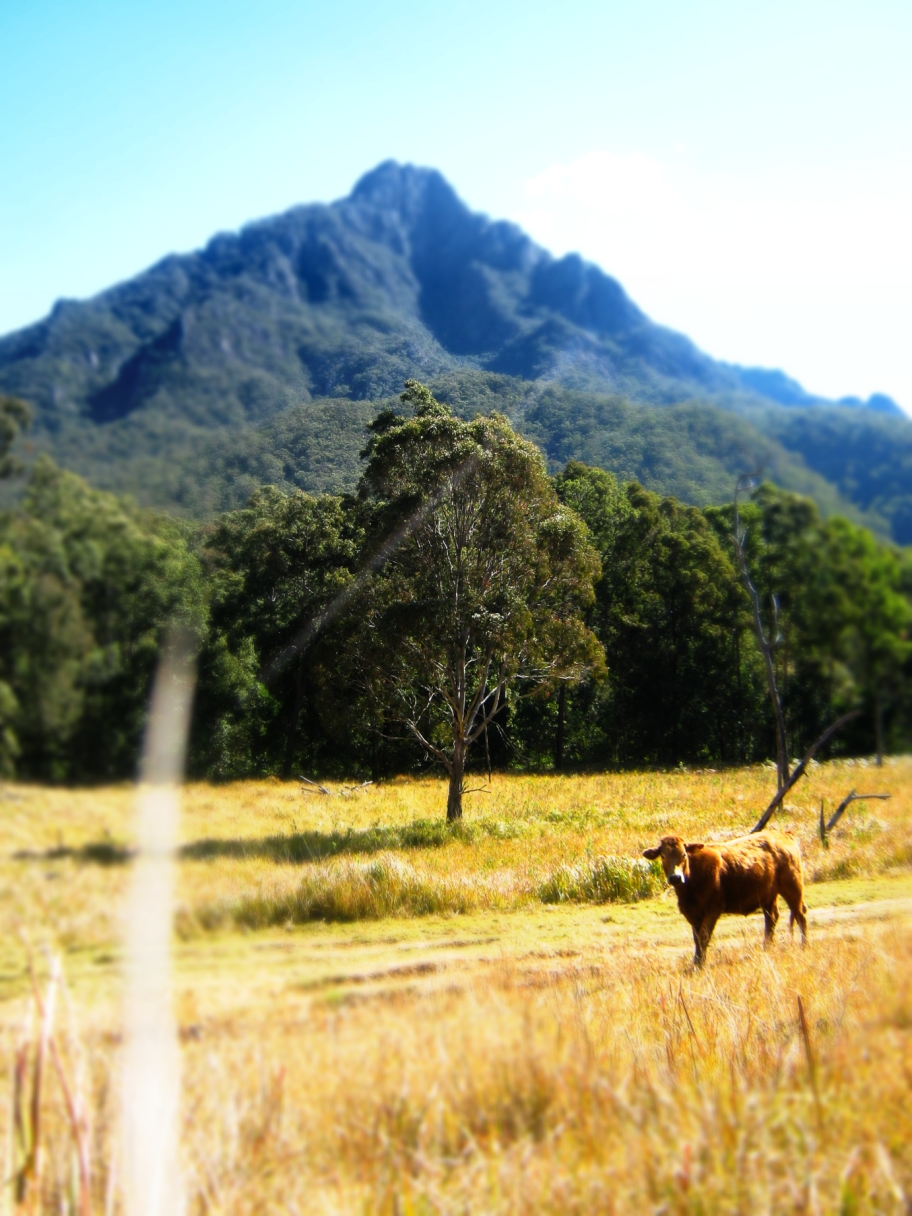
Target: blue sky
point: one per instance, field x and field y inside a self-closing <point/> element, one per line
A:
<point x="744" y="169"/>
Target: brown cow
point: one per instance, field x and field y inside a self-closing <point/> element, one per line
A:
<point x="740" y="876"/>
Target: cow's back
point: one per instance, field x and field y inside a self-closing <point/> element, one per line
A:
<point x="749" y="874"/>
<point x="786" y="850"/>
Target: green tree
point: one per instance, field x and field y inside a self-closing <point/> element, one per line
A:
<point x="673" y="618"/>
<point x="843" y="614"/>
<point x="485" y="579"/>
<point x="275" y="567"/>
<point x="15" y="417"/>
<point x="88" y="585"/>
<point x="875" y="616"/>
<point x="578" y="726"/>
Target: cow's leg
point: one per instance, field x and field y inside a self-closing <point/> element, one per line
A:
<point x="702" y="932"/>
<point x="793" y="894"/>
<point x="699" y="952"/>
<point x="798" y="911"/>
<point x="770" y="919"/>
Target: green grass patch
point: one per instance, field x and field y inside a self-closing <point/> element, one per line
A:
<point x="389" y="886"/>
<point x="350" y="890"/>
<point x="299" y="847"/>
<point x="603" y="880"/>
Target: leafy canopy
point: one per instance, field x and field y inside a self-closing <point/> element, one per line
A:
<point x="487" y="584"/>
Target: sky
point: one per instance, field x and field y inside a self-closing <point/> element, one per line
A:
<point x="744" y="169"/>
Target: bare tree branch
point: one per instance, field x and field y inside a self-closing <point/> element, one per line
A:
<point x="322" y="788"/>
<point x="489" y="716"/>
<point x="849" y="798"/>
<point x="800" y="768"/>
<point x="429" y="746"/>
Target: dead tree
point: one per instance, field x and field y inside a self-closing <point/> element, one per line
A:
<point x="767" y="644"/>
<point x="837" y="814"/>
<point x="801" y="768"/>
<point x="785" y="780"/>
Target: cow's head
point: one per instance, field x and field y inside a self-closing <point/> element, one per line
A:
<point x="673" y="854"/>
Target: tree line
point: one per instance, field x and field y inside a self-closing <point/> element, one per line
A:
<point x="462" y="608"/>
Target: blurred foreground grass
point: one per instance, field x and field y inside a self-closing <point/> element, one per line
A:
<point x="508" y="1053"/>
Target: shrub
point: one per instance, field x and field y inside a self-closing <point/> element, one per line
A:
<point x="603" y="880"/>
<point x="350" y="890"/>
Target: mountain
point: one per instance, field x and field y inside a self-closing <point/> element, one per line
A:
<point x="170" y="378"/>
<point x="777" y="386"/>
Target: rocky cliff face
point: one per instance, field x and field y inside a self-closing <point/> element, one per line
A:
<point x="346" y="301"/>
<point x="398" y="279"/>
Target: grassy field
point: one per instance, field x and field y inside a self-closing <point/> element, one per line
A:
<point x="379" y="1014"/>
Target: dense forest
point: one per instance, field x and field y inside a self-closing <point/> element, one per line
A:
<point x="598" y="624"/>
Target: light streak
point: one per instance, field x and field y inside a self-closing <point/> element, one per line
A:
<point x="391" y="545"/>
<point x="151" y="1093"/>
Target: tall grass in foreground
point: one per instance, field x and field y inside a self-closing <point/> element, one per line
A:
<point x="612" y="1080"/>
<point x="41" y="1052"/>
<point x="625" y="1084"/>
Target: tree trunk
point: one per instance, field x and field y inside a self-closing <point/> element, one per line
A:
<point x="878" y="728"/>
<point x="375" y="757"/>
<point x="782" y="756"/>
<point x="559" y="741"/>
<point x="297" y="705"/>
<point x="767" y="648"/>
<point x="782" y="761"/>
<point x="740" y="744"/>
<point x="457" y="772"/>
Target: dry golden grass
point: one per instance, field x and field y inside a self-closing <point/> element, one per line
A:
<point x="248" y="844"/>
<point x="513" y="1058"/>
<point x="584" y="1087"/>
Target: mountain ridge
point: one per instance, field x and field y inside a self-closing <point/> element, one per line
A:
<point x="347" y="300"/>
<point x="314" y="255"/>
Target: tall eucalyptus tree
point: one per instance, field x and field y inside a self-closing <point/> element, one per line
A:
<point x="483" y="596"/>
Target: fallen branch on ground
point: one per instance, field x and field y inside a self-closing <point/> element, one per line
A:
<point x="321" y="788"/>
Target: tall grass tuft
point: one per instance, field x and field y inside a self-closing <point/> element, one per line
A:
<point x="386" y="885"/>
<point x="350" y="890"/>
<point x="67" y="1185"/>
<point x="603" y="880"/>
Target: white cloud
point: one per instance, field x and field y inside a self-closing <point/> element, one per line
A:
<point x="807" y="273"/>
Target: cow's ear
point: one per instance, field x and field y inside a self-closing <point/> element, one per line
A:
<point x="694" y="848"/>
<point x="652" y="854"/>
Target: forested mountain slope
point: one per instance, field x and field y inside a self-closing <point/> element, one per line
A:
<point x="170" y="378"/>
<point x="693" y="451"/>
<point x="867" y="458"/>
